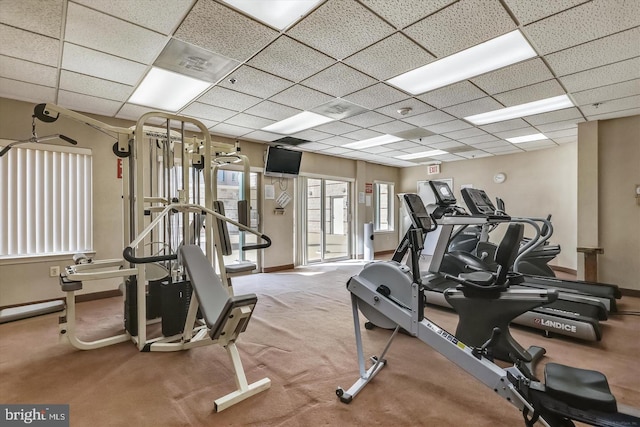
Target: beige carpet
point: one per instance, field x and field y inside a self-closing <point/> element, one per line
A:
<point x="301" y="336"/>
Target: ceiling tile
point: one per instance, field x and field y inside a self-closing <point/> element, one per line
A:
<point x="605" y="93"/>
<point x="262" y="136"/>
<point x="537" y="145"/>
<point x="403" y="145"/>
<point x="388" y="58"/>
<point x="40" y="16"/>
<point x="315" y="146"/>
<point x="514" y="76"/>
<point x="301" y="97"/>
<point x="336" y="150"/>
<point x="93" y="86"/>
<point x="503" y="126"/>
<point x="566" y="139"/>
<point x="88" y="104"/>
<point x="312" y="135"/>
<point x="448" y="158"/>
<point x="602" y="76"/>
<point x="29" y="92"/>
<point x="370" y="118"/>
<point x="339" y="80"/>
<point x="550" y="127"/>
<point x="229" y="129"/>
<point x="337" y="128"/>
<point x="476" y="106"/>
<point x="516" y="132"/>
<point x="467" y="133"/>
<point x="449" y="126"/>
<point x="583" y="23"/>
<point x="527" y="11"/>
<point x="30" y="72"/>
<point x="162" y="16"/>
<point x="451" y="95"/>
<point x="249" y="121"/>
<point x="359" y="135"/>
<point x="233" y="35"/>
<point x="562" y="133"/>
<point x="617" y="114"/>
<point x="612" y="106"/>
<point x="554" y="116"/>
<point x="393" y="127"/>
<point x="401" y="13"/>
<point x="255" y="82"/>
<point x="472" y="22"/>
<point x="417" y="107"/>
<point x="98" y="64"/>
<point x="337" y="141"/>
<point x="594" y="54"/>
<point x="229" y="99"/>
<point x="340" y="28"/>
<point x="492" y="144"/>
<point x="507" y="149"/>
<point x="376" y="96"/>
<point x="208" y="112"/>
<point x="86" y="27"/>
<point x="290" y="59"/>
<point x="473" y="154"/>
<point x="478" y="139"/>
<point x="32" y="47"/>
<point x="134" y="112"/>
<point x="271" y="110"/>
<point x="428" y="119"/>
<point x="535" y="92"/>
<point x="379" y="149"/>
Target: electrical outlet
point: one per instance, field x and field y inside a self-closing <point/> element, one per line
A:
<point x="54" y="271"/>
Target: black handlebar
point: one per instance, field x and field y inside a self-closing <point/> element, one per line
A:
<point x="259" y="246"/>
<point x="4" y="150"/>
<point x="128" y="255"/>
<point x="69" y="140"/>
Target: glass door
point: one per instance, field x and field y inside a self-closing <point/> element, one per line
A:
<point x="326" y="213"/>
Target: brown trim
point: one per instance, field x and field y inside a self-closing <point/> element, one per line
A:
<point x="98" y="295"/>
<point x="277" y="268"/>
<point x="630" y="292"/>
<point x="390" y="251"/>
<point x="564" y="269"/>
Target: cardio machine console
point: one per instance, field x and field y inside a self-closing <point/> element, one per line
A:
<point x="479" y="203"/>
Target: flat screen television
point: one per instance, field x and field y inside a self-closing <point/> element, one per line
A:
<point x="282" y="162"/>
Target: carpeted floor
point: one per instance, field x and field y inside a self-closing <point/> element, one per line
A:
<point x="301" y="336"/>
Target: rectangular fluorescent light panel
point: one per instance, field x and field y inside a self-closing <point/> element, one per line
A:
<point x="166" y="90"/>
<point x="372" y="142"/>
<point x="422" y="154"/>
<point x="522" y="110"/>
<point x="488" y="56"/>
<point x="527" y="138"/>
<point x="276" y="13"/>
<point x="301" y="121"/>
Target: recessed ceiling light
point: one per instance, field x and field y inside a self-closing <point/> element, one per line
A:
<point x="422" y="154"/>
<point x="300" y="121"/>
<point x="527" y="138"/>
<point x="167" y="90"/>
<point x="372" y="142"/>
<point x="488" y="56"/>
<point x="276" y="13"/>
<point x="522" y="110"/>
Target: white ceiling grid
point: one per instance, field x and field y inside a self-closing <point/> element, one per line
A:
<point x="90" y="55"/>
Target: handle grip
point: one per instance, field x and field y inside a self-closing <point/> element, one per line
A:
<point x="259" y="246"/>
<point x="69" y="140"/>
<point x="128" y="255"/>
<point x="4" y="150"/>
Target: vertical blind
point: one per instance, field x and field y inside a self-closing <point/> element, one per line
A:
<point x="45" y="201"/>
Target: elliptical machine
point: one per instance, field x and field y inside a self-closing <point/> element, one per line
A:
<point x="567" y="394"/>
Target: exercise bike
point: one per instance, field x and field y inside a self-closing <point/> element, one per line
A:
<point x="567" y="393"/>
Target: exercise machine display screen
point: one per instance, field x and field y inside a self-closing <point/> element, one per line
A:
<point x="444" y="195"/>
<point x="419" y="216"/>
<point x="477" y="201"/>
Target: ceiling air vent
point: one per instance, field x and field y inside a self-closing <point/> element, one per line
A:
<point x="289" y="140"/>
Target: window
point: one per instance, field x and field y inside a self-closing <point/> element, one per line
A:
<point x="383" y="206"/>
<point x="45" y="201"/>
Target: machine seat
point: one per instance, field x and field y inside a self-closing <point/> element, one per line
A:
<point x="579" y="388"/>
<point x="482" y="278"/>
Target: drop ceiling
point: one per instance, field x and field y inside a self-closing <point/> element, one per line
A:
<point x="90" y="55"/>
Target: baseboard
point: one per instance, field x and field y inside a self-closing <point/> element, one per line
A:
<point x="390" y="251"/>
<point x="32" y="302"/>
<point x="630" y="292"/>
<point x="277" y="268"/>
<point x="564" y="269"/>
<point x="98" y="295"/>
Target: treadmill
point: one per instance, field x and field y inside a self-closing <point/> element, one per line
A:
<point x="479" y="203"/>
<point x="567" y="316"/>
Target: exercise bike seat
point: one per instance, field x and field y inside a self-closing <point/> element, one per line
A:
<point x="579" y="388"/>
